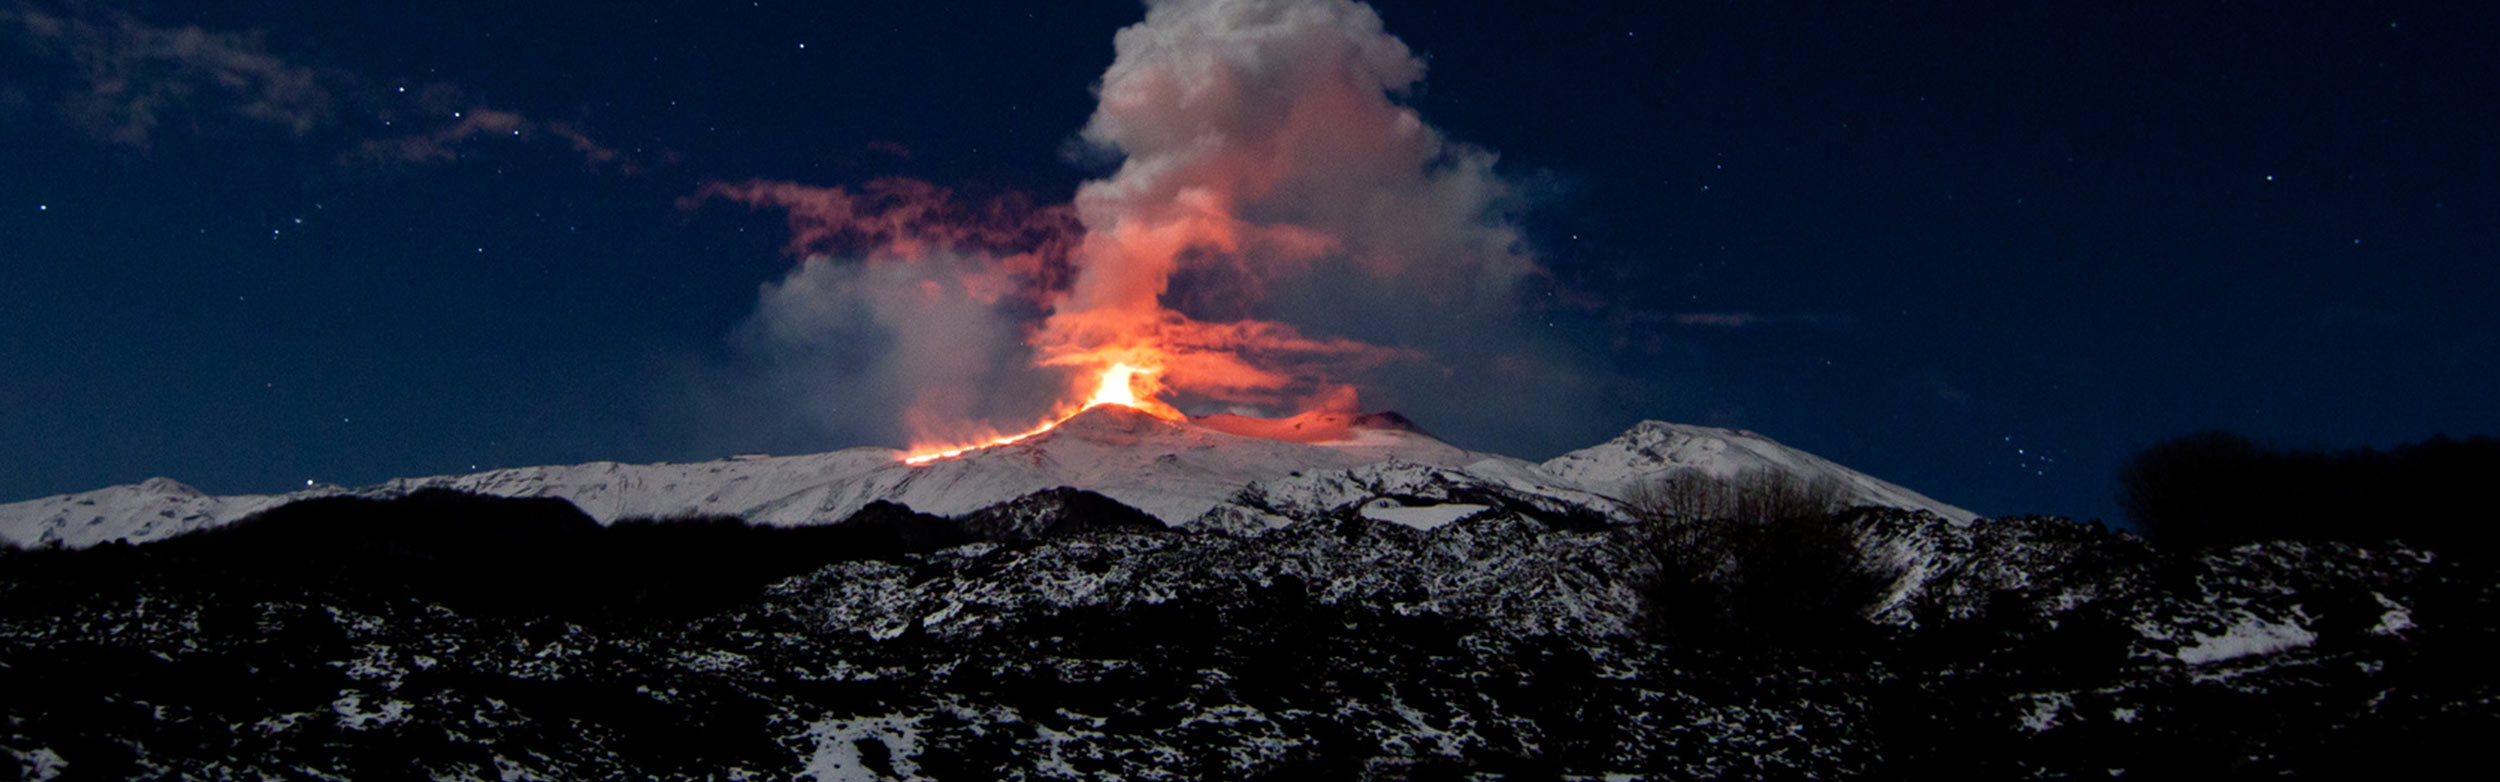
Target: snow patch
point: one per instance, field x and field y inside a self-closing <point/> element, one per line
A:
<point x="714" y="660"/>
<point x="272" y="726"/>
<point x="509" y="770"/>
<point x="1419" y="517"/>
<point x="854" y="750"/>
<point x="2249" y="636"/>
<point x="354" y="716"/>
<point x="40" y="765"/>
<point x="2395" y="621"/>
<point x="2044" y="710"/>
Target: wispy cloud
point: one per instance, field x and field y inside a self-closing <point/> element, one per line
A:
<point x="448" y="142"/>
<point x="909" y="218"/>
<point x="134" y="79"/>
<point x="132" y="84"/>
<point x="1739" y="320"/>
<point x="1729" y="320"/>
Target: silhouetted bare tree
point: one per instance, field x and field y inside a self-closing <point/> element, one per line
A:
<point x="1763" y="557"/>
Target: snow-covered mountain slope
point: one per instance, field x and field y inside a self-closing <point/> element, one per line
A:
<point x="148" y="510"/>
<point x="1654" y="446"/>
<point x="1185" y="473"/>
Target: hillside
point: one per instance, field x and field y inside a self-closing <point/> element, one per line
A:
<point x="420" y="638"/>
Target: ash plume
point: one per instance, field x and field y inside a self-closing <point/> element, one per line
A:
<point x="1280" y="230"/>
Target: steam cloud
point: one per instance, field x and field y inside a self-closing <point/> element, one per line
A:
<point x="1279" y="226"/>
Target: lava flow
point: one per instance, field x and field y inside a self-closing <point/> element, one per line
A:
<point x="1117" y="386"/>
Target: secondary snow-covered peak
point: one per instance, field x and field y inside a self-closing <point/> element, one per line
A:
<point x="1651" y="448"/>
<point x="167" y="487"/>
<point x="147" y="510"/>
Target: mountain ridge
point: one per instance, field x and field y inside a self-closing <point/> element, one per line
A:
<point x="1184" y="473"/>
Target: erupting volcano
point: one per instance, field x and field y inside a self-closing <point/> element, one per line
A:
<point x="1119" y="385"/>
<point x="1280" y="230"/>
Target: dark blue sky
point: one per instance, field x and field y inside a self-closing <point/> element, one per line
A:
<point x="1985" y="250"/>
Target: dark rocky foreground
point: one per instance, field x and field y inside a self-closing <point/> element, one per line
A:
<point x="449" y="637"/>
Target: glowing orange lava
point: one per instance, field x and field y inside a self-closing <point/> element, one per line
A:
<point x="1118" y="385"/>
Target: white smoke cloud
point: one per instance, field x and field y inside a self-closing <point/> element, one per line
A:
<point x="893" y="352"/>
<point x="1280" y="224"/>
<point x="1284" y="115"/>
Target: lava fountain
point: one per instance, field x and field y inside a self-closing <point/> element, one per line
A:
<point x="1117" y="384"/>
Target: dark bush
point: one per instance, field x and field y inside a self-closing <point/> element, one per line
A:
<point x="534" y="557"/>
<point x="531" y="557"/>
<point x="2219" y="488"/>
<point x="526" y="558"/>
<point x="1761" y="559"/>
<point x="1055" y="513"/>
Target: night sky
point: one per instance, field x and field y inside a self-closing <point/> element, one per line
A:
<point x="1983" y="250"/>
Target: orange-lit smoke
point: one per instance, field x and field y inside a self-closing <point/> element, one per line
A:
<point x="1264" y="155"/>
<point x="1261" y="136"/>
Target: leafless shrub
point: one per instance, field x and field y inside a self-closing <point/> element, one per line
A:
<point x="1763" y="557"/>
<point x="1758" y="496"/>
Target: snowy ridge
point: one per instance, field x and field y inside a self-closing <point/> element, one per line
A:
<point x="147" y="510"/>
<point x="1181" y="472"/>
<point x="1654" y="446"/>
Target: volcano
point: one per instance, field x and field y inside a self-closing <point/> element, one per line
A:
<point x="1227" y="472"/>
